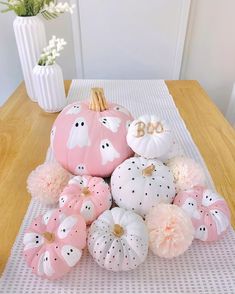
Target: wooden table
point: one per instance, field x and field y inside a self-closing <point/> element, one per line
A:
<point x="24" y="139"/>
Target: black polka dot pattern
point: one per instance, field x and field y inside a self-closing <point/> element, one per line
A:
<point x="130" y="186"/>
<point x="118" y="253"/>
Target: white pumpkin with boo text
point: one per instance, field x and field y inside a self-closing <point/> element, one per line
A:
<point x="149" y="136"/>
<point x="118" y="240"/>
<point x="138" y="184"/>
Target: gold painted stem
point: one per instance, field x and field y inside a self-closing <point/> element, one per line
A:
<point x="148" y="171"/>
<point x="98" y="101"/>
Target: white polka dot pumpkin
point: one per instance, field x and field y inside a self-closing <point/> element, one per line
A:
<point x="138" y="184"/>
<point x="118" y="240"/>
<point x="85" y="195"/>
<point x="53" y="243"/>
<point x="90" y="137"/>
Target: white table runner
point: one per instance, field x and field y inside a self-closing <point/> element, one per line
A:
<point x="204" y="268"/>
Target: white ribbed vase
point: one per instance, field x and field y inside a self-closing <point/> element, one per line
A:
<point x="30" y="39"/>
<point x="49" y="87"/>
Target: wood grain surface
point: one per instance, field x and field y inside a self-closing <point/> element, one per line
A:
<point x="24" y="139"/>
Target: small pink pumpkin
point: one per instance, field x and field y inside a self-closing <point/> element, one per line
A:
<point x="86" y="195"/>
<point x="53" y="243"/>
<point x="209" y="212"/>
<point x="90" y="138"/>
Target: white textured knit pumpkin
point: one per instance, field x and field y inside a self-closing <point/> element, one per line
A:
<point x="118" y="240"/>
<point x="149" y="136"/>
<point x="138" y="184"/>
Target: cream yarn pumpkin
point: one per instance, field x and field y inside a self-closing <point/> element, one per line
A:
<point x="149" y="136"/>
<point x="118" y="240"/>
<point x="138" y="184"/>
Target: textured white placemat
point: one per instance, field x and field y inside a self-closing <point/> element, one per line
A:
<point x="204" y="268"/>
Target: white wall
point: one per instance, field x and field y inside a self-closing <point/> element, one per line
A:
<point x="131" y="40"/>
<point x="62" y="27"/>
<point x="10" y="71"/>
<point x="10" y="74"/>
<point x="209" y="55"/>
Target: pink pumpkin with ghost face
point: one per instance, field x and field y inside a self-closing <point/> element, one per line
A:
<point x="90" y="137"/>
<point x="86" y="195"/>
<point x="53" y="243"/>
<point x="209" y="212"/>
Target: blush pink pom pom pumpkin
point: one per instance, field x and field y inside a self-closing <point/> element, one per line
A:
<point x="208" y="210"/>
<point x="170" y="230"/>
<point x="90" y="138"/>
<point x="53" y="243"/>
<point x="85" y="195"/>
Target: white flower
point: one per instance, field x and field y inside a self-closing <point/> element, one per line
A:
<point x="58" y="7"/>
<point x="15" y="3"/>
<point x="50" y="52"/>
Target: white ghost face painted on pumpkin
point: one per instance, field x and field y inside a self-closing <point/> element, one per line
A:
<point x="122" y="109"/>
<point x="78" y="135"/>
<point x="81" y="169"/>
<point x="201" y="233"/>
<point x="108" y="152"/>
<point x="111" y="123"/>
<point x="53" y="130"/>
<point x="209" y="198"/>
<point x="32" y="240"/>
<point x="220" y="219"/>
<point x="75" y="109"/>
<point x="128" y="123"/>
<point x="66" y="226"/>
<point x="87" y="210"/>
<point x="46" y="217"/>
<point x="44" y="265"/>
<point x="71" y="254"/>
<point x="62" y="200"/>
<point x="79" y="181"/>
<point x="190" y="206"/>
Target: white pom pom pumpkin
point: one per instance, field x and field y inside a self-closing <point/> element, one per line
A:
<point x="176" y="150"/>
<point x="118" y="240"/>
<point x="138" y="184"/>
<point x="187" y="173"/>
<point x="149" y="136"/>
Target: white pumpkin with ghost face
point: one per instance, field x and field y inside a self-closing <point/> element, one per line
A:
<point x="149" y="136"/>
<point x="138" y="184"/>
<point x="118" y="240"/>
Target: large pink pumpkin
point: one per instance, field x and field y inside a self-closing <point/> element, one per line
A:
<point x="53" y="243"/>
<point x="209" y="212"/>
<point x="86" y="195"/>
<point x="90" y="138"/>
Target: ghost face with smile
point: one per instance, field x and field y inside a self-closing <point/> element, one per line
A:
<point x="108" y="152"/>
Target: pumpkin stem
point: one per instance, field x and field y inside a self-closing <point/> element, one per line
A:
<point x="98" y="101"/>
<point x="148" y="171"/>
<point x="85" y="191"/>
<point x="118" y="230"/>
<point x="50" y="237"/>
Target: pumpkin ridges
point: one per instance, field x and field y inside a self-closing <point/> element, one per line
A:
<point x="114" y="253"/>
